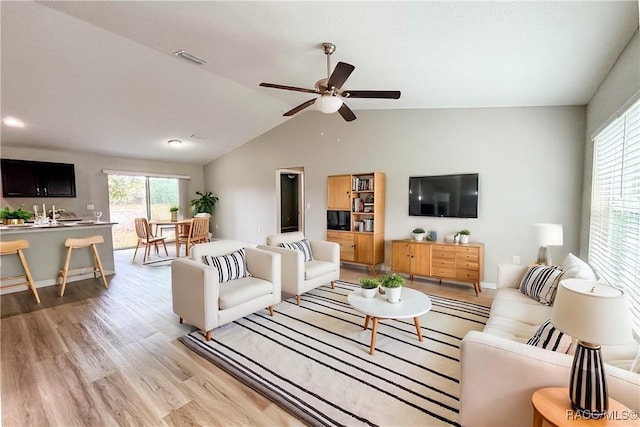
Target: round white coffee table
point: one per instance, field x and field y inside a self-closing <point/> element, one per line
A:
<point x="412" y="304"/>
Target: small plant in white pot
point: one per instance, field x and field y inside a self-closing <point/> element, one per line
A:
<point x="418" y="234"/>
<point x="393" y="287"/>
<point x="464" y="236"/>
<point x="369" y="287"/>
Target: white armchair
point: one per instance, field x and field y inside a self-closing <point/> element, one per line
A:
<point x="299" y="276"/>
<point x="201" y="300"/>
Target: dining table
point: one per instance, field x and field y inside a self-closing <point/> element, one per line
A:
<point x="181" y="228"/>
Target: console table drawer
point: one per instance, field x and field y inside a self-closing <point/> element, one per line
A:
<point x="449" y="273"/>
<point x="442" y="255"/>
<point x="467" y="265"/>
<point x="443" y="263"/>
<point x="444" y="248"/>
<point x="468" y="257"/>
<point x="467" y="275"/>
<point x="467" y="249"/>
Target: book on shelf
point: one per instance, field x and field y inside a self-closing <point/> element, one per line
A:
<point x="362" y="184"/>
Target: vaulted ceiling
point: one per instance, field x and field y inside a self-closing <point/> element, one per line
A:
<point x="102" y="77"/>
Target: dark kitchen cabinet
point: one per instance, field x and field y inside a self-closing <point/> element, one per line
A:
<point x="23" y="178"/>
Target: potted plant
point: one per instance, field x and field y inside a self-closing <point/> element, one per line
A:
<point x="205" y="203"/>
<point x="418" y="234"/>
<point x="174" y="213"/>
<point x="464" y="236"/>
<point x="17" y="216"/>
<point x="369" y="286"/>
<point x="393" y="287"/>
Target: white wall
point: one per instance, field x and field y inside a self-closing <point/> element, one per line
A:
<point x="618" y="89"/>
<point x="91" y="183"/>
<point x="529" y="160"/>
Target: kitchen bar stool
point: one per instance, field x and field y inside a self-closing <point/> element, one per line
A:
<point x="78" y="244"/>
<point x="15" y="248"/>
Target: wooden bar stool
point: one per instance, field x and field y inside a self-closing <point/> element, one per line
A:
<point x="15" y="248"/>
<point x="78" y="244"/>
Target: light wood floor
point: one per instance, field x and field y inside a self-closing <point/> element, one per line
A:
<point x="100" y="357"/>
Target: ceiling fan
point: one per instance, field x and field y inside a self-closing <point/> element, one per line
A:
<point x="329" y="89"/>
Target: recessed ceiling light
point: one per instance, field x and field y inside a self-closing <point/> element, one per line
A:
<point x="175" y="142"/>
<point x="13" y="122"/>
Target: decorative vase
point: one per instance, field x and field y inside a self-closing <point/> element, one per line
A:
<point x="174" y="216"/>
<point x="369" y="293"/>
<point x="393" y="294"/>
<point x="464" y="239"/>
<point x="418" y="236"/>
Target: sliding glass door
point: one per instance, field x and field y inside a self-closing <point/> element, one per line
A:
<point x="138" y="196"/>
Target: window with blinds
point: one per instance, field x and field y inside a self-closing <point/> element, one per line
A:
<point x="614" y="250"/>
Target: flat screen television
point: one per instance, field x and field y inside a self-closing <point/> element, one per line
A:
<point x="339" y="220"/>
<point x="451" y="196"/>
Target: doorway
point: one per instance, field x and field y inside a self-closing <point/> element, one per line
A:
<point x="290" y="206"/>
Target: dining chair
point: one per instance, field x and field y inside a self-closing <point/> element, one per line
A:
<point x="198" y="233"/>
<point x="147" y="239"/>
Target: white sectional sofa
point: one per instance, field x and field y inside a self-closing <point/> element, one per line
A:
<point x="500" y="371"/>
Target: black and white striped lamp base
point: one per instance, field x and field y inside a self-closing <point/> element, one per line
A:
<point x="588" y="384"/>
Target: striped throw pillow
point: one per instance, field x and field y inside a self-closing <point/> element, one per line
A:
<point x="303" y="246"/>
<point x="540" y="283"/>
<point x="230" y="267"/>
<point x="549" y="338"/>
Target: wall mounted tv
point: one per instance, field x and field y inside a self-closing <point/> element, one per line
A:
<point x="452" y="196"/>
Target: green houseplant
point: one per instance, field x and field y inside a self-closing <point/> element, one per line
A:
<point x="174" y="213"/>
<point x="205" y="203"/>
<point x="17" y="216"/>
<point x="418" y="233"/>
<point x="464" y="236"/>
<point x="369" y="286"/>
<point x="393" y="287"/>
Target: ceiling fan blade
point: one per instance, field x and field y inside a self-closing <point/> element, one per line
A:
<point x="297" y="89"/>
<point x="383" y="94"/>
<point x="340" y="75"/>
<point x="346" y="113"/>
<point x="300" y="107"/>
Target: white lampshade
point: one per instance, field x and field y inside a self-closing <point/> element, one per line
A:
<point x="328" y="104"/>
<point x="592" y="312"/>
<point x="549" y="234"/>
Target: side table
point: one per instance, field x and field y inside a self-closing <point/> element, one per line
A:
<point x="553" y="405"/>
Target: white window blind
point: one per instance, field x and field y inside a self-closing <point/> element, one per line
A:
<point x="614" y="250"/>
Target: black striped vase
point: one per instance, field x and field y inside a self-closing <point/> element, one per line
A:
<point x="588" y="385"/>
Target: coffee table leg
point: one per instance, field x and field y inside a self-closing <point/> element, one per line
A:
<point x="416" y="320"/>
<point x="366" y="321"/>
<point x="374" y="331"/>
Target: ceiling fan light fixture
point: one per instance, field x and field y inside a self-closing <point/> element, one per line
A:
<point x="328" y="104"/>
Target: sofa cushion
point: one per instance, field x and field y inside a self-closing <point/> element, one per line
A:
<point x="550" y="338"/>
<point x="242" y="290"/>
<point x="574" y="268"/>
<point x="513" y="304"/>
<point x="510" y="329"/>
<point x="301" y="245"/>
<point x="230" y="267"/>
<point x="540" y="283"/>
<point x="317" y="268"/>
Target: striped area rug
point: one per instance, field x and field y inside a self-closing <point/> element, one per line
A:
<point x="313" y="360"/>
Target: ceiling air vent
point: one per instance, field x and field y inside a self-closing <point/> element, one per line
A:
<point x="189" y="57"/>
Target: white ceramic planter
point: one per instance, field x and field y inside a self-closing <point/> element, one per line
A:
<point x="369" y="293"/>
<point x="464" y="239"/>
<point x="418" y="236"/>
<point x="393" y="294"/>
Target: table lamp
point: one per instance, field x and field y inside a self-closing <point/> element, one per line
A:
<point x="594" y="314"/>
<point x="548" y="235"/>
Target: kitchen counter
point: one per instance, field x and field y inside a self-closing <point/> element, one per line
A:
<point x="46" y="252"/>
